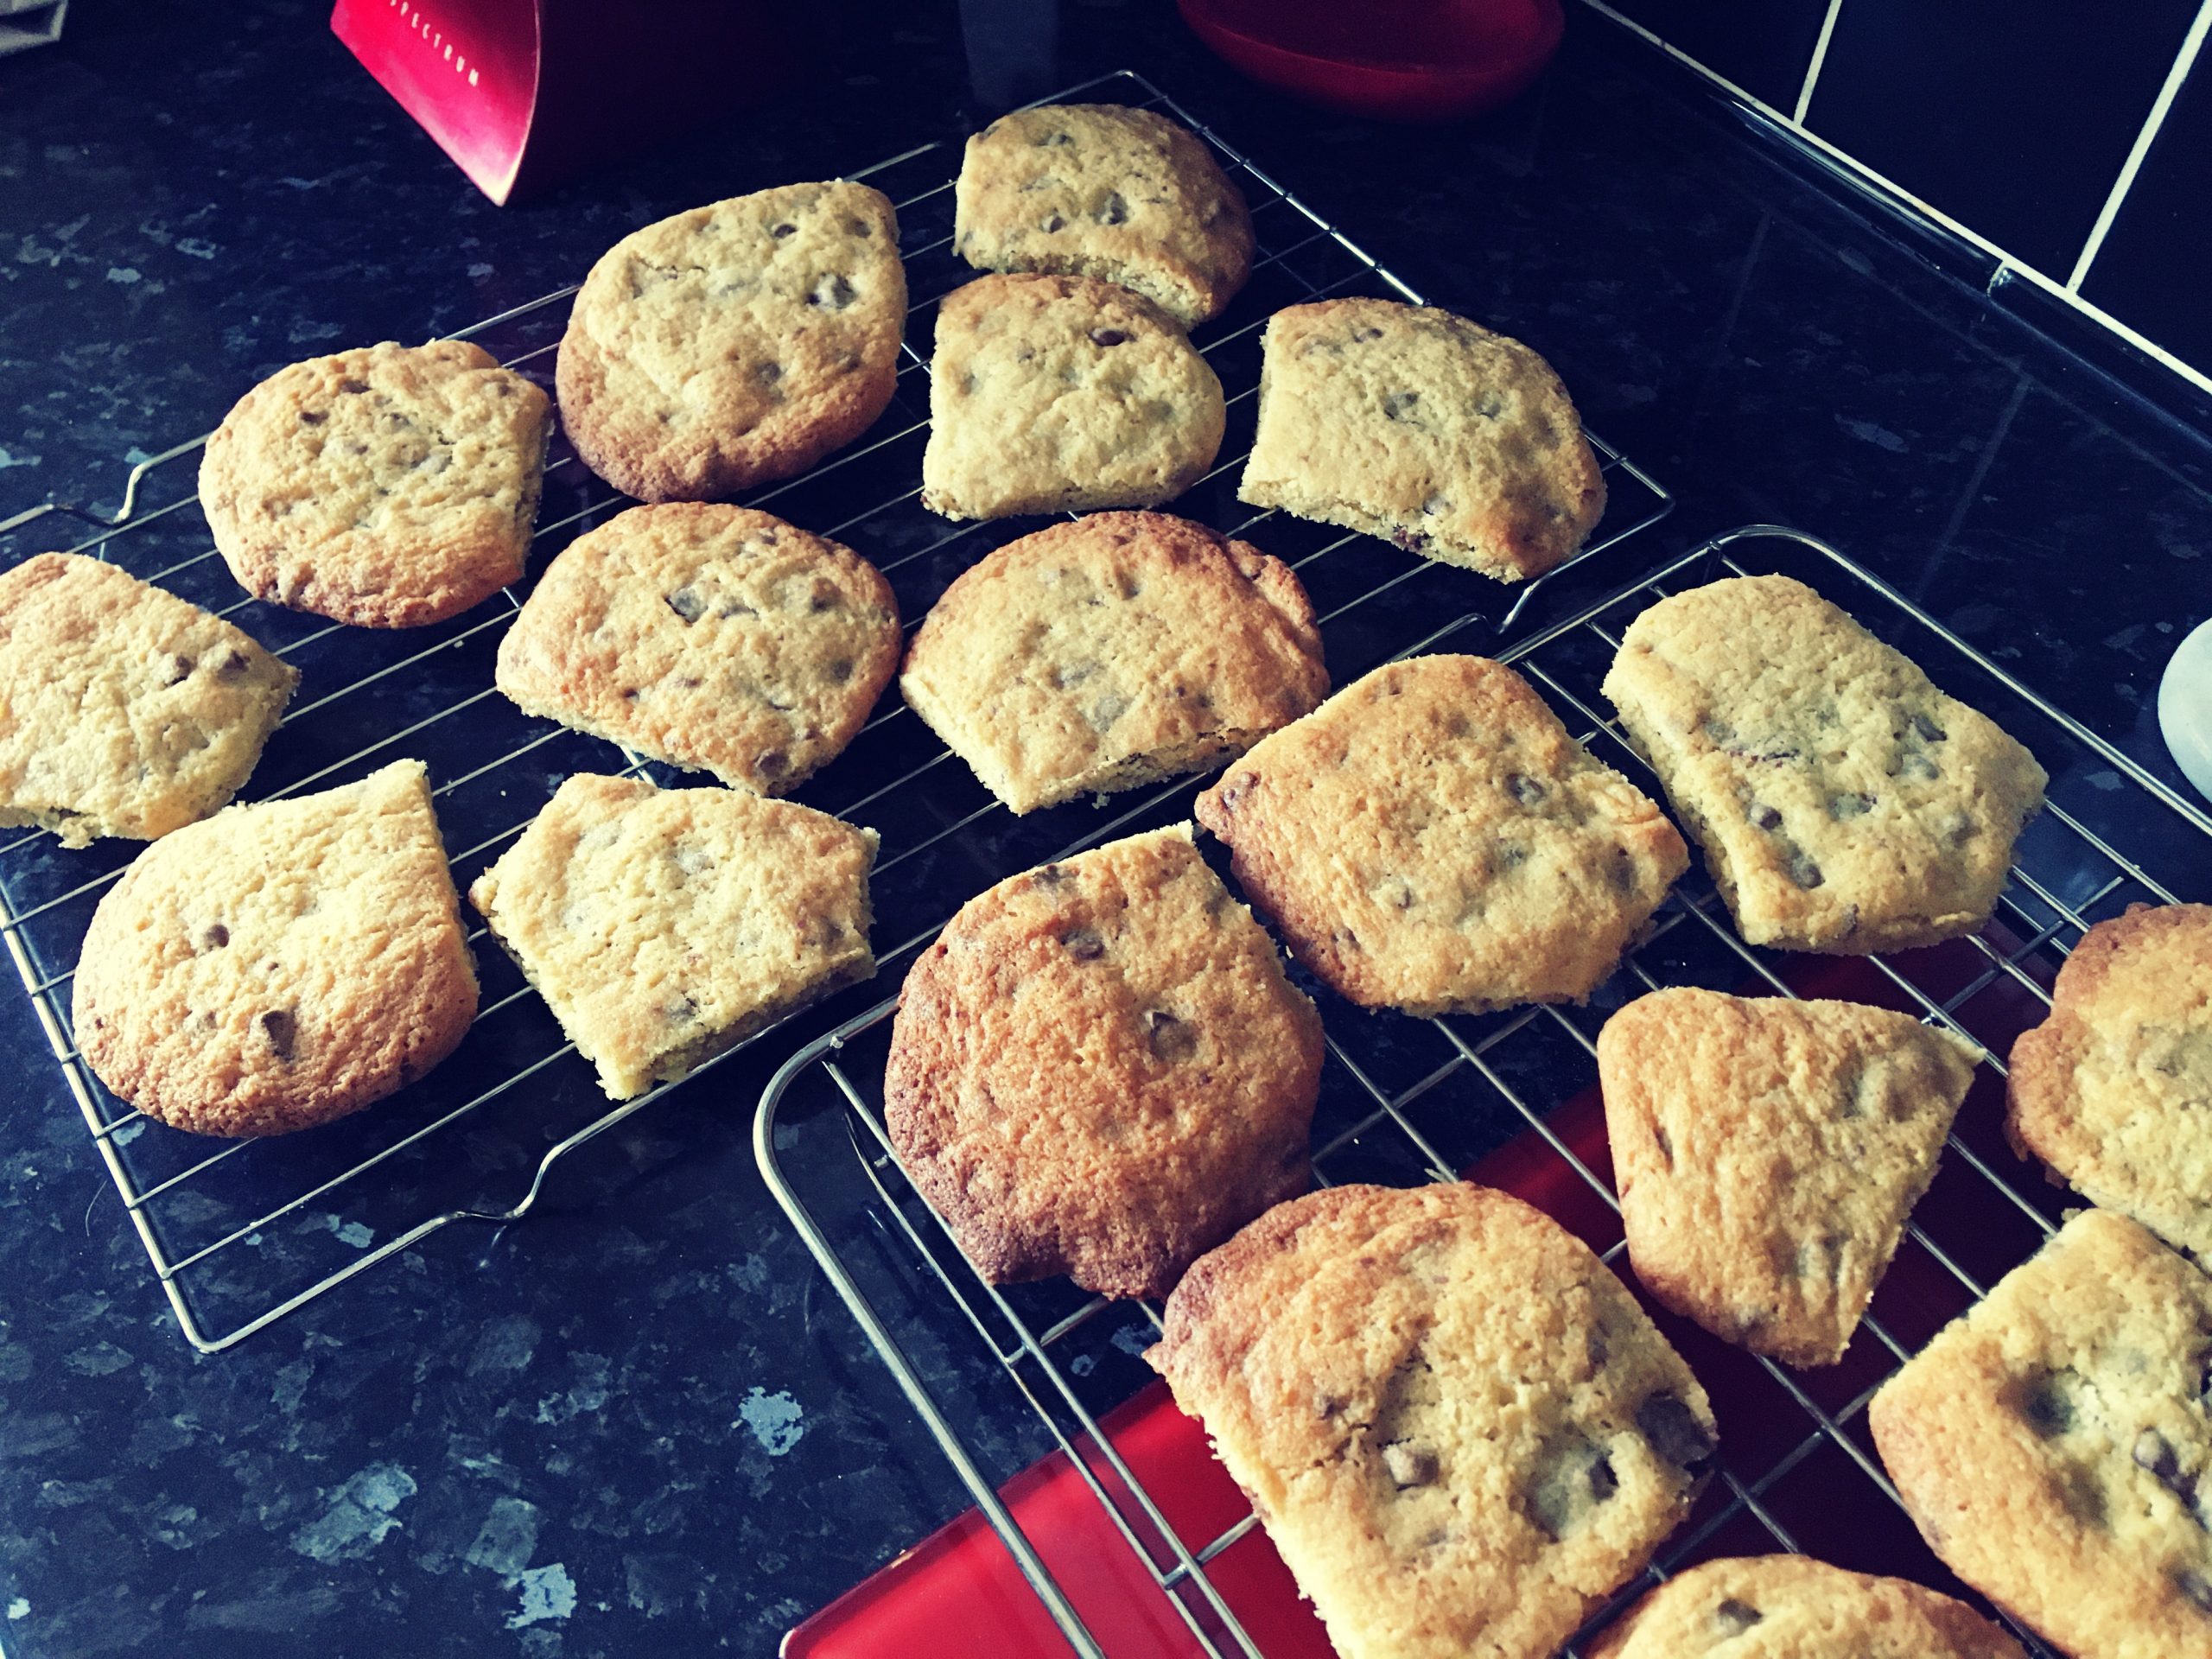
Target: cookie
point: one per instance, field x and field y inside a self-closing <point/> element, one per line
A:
<point x="1099" y="190"/>
<point x="2052" y="1444"/>
<point x="387" y="488"/>
<point x="1431" y="839"/>
<point x="1406" y="423"/>
<point x="281" y="964"/>
<point x="1844" y="804"/>
<point x="2112" y="1090"/>
<point x="124" y="710"/>
<point x="1099" y="1069"/>
<point x="663" y="926"/>
<point x="1060" y="394"/>
<point x="718" y="638"/>
<point x="1112" y="652"/>
<point x="1459" y="1428"/>
<point x="737" y="343"/>
<point x="1768" y="1151"/>
<point x="1789" y="1607"/>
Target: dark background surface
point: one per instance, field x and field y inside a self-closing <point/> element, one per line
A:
<point x="642" y="1421"/>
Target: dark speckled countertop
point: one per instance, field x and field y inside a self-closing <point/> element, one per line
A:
<point x="641" y="1423"/>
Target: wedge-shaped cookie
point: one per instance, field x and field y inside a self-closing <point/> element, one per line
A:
<point x="1099" y="1069"/>
<point x="1431" y="839"/>
<point x="2115" y="1091"/>
<point x="388" y="486"/>
<point x="1430" y="431"/>
<point x="664" y="927"/>
<point x="124" y="710"/>
<point x="1792" y="1607"/>
<point x="1112" y="652"/>
<point x="2053" y="1444"/>
<point x="280" y="964"/>
<point x="739" y="342"/>
<point x="1098" y="190"/>
<point x="1767" y="1152"/>
<point x="1845" y="804"/>
<point x="715" y="637"/>
<point x="1456" y="1426"/>
<point x="1051" y="394"/>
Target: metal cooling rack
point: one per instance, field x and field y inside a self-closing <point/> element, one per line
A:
<point x="241" y="1233"/>
<point x="1406" y="1099"/>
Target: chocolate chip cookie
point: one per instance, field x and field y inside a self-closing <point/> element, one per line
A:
<point x="1792" y="1607"/>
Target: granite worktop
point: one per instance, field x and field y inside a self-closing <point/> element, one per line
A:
<point x="640" y="1421"/>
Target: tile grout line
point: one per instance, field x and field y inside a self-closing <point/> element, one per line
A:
<point x="2178" y="74"/>
<point x="1820" y="57"/>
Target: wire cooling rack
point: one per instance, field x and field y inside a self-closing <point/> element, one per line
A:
<point x="1512" y="1098"/>
<point x="241" y="1233"/>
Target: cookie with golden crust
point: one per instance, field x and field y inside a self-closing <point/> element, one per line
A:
<point x="1459" y="1428"/>
<point x="389" y="487"/>
<point x="1099" y="190"/>
<point x="1845" y="804"/>
<point x="663" y="926"/>
<point x="124" y="710"/>
<point x="1120" y="649"/>
<point x="715" y="637"/>
<point x="2053" y="1444"/>
<point x="1063" y="394"/>
<point x="1792" y="1607"/>
<point x="1432" y="839"/>
<point x="2112" y="1090"/>
<point x="1410" y="423"/>
<point x="1768" y="1151"/>
<point x="736" y="343"/>
<point x="1099" y="1069"/>
<point x="281" y="964"/>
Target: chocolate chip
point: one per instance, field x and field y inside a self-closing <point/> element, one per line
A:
<point x="1399" y="405"/>
<point x="312" y="417"/>
<point x="282" y="1030"/>
<point x="1409" y="1465"/>
<point x="1804" y="872"/>
<point x="840" y="671"/>
<point x="213" y="936"/>
<point x="2047" y="1408"/>
<point x="2154" y="1454"/>
<point x="352" y="385"/>
<point x="773" y="763"/>
<point x="231" y="665"/>
<point x="682" y="1011"/>
<point x="1849" y="806"/>
<point x="175" y="669"/>
<point x="1172" y="1039"/>
<point x="1919" y="766"/>
<point x="1764" y="817"/>
<point x="1435" y="505"/>
<point x="1674" y="1430"/>
<point x="687" y="604"/>
<point x="780" y="232"/>
<point x="1054" y="222"/>
<point x="1524" y="789"/>
<point x="1052" y="875"/>
<point x="1736" y="1617"/>
<point x="1603" y="1483"/>
<point x="767" y="373"/>
<point x="1084" y="944"/>
<point x="1107" y="337"/>
<point x="832" y="293"/>
<point x="2196" y="1588"/>
<point x="1113" y="209"/>
<point x="1413" y="541"/>
<point x="1367" y="334"/>
<point x="1928" y="730"/>
<point x="1053" y="141"/>
<point x="1490" y="406"/>
<point x="1660" y="1139"/>
<point x="734" y="607"/>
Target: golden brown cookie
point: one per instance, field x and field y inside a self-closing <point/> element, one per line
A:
<point x="1792" y="1607"/>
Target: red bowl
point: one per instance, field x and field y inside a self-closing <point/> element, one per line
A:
<point x="1397" y="60"/>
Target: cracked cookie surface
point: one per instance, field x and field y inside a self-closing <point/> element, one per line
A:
<point x="1456" y="1426"/>
<point x="1051" y="394"/>
<point x="1432" y="839"/>
<point x="388" y="487"/>
<point x="1113" y="651"/>
<point x="2053" y="1443"/>
<point x="281" y="964"/>
<point x="715" y="637"/>
<point x="1768" y="1151"/>
<point x="124" y="710"/>
<point x="736" y="343"/>
<point x="1792" y="1607"/>
<point x="1099" y="1069"/>
<point x="664" y="927"/>
<point x="1098" y="190"/>
<point x="1410" y="423"/>
<point x="1844" y="803"/>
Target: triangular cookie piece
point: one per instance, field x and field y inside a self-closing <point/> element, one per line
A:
<point x="1767" y="1153"/>
<point x="663" y="926"/>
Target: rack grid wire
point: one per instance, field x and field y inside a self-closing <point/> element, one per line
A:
<point x="243" y="1233"/>
<point x="1511" y="1097"/>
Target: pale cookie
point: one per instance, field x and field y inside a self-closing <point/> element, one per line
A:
<point x="1099" y="1069"/>
<point x="1408" y="422"/>
<point x="1459" y="1428"/>
<point x="124" y="710"/>
<point x="1431" y="839"/>
<point x="1844" y="804"/>
<point x="1790" y="1607"/>
<point x="2053" y="1444"/>
<point x="1099" y="190"/>
<point x="1768" y="1151"/>
<point x="281" y="964"/>
<point x="1113" y="651"/>
<point x="388" y="486"/>
<point x="713" y="638"/>
<point x="666" y="926"/>
<point x="737" y="343"/>
<point x="2114" y="1089"/>
<point x="1059" y="394"/>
